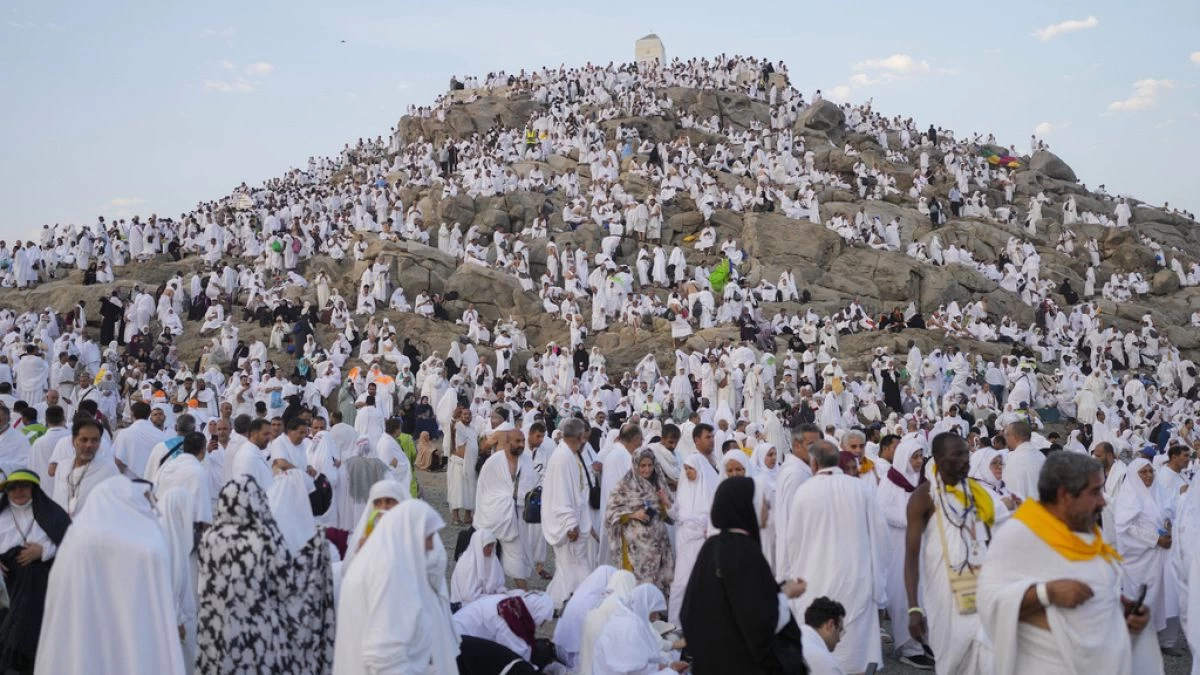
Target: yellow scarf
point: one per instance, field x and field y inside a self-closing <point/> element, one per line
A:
<point x="1059" y="537"/>
<point x="983" y="501"/>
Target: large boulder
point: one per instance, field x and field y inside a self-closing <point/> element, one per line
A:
<point x="1048" y="163"/>
<point x="494" y="293"/>
<point x="1164" y="282"/>
<point x="1125" y="252"/>
<point x="824" y="115"/>
<point x="777" y="242"/>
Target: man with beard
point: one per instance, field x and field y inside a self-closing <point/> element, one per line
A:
<point x="504" y="480"/>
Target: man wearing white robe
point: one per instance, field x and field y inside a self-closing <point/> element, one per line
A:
<point x="1048" y="594"/>
<point x="617" y="461"/>
<point x="131" y="448"/>
<point x="796" y="469"/>
<point x="75" y="480"/>
<point x="15" y="450"/>
<point x="566" y="517"/>
<point x="1114" y="479"/>
<point x="1023" y="463"/>
<point x="251" y="458"/>
<point x="942" y="533"/>
<point x="460" y="473"/>
<point x="114" y="572"/>
<point x="32" y="374"/>
<point x="187" y="471"/>
<point x="506" y="477"/>
<point x="833" y="544"/>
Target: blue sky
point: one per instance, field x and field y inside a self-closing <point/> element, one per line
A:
<point x="124" y="108"/>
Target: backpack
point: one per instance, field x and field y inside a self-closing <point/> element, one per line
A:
<point x="532" y="511"/>
<point x="295" y="245"/>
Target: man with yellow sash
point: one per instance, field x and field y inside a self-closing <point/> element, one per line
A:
<point x="950" y="524"/>
<point x="1049" y="593"/>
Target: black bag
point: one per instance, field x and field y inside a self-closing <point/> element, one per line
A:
<point x="670" y="315"/>
<point x="532" y="511"/>
<point x="321" y="498"/>
<point x="593" y="490"/>
<point x="480" y="461"/>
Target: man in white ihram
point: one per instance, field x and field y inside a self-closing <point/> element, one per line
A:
<point x="1049" y="592"/>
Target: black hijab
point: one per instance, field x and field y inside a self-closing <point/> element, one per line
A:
<point x="732" y="594"/>
<point x="733" y="506"/>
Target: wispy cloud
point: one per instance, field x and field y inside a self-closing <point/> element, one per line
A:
<point x="125" y="201"/>
<point x="238" y="85"/>
<point x="892" y="68"/>
<point x="227" y="32"/>
<point x="1047" y="33"/>
<point x="1195" y="58"/>
<point x="1145" y="95"/>
<point x="260" y="68"/>
<point x="1047" y="128"/>
<point x="896" y="64"/>
<point x="54" y="26"/>
<point x="839" y="94"/>
<point x="245" y="83"/>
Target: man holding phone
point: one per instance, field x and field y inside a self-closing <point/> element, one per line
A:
<point x="1048" y="593"/>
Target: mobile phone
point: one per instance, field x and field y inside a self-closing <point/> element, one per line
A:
<point x="1137" y="605"/>
<point x="871" y="668"/>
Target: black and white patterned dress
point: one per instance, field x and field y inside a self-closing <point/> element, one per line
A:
<point x="246" y="575"/>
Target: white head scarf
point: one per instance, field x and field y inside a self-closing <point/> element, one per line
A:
<point x="383" y="488"/>
<point x="620" y="586"/>
<point x="568" y="632"/>
<point x="1136" y="499"/>
<point x="395" y="570"/>
<point x="288" y="497"/>
<point x="476" y="574"/>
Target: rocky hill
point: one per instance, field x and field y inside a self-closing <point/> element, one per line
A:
<point x="833" y="271"/>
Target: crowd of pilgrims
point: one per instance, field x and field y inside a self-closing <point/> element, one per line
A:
<point x="274" y="522"/>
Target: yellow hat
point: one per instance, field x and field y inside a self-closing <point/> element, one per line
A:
<point x="21" y="476"/>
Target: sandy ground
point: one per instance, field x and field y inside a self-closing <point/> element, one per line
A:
<point x="433" y="490"/>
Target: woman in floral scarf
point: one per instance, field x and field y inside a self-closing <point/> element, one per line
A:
<point x="636" y="523"/>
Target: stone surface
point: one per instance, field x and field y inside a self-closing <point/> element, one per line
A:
<point x="1049" y="163"/>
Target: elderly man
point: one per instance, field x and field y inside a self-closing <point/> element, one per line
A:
<point x="1049" y="593"/>
<point x="833" y="543"/>
<point x="566" y="514"/>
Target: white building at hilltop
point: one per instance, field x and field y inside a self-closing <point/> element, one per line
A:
<point x="649" y="48"/>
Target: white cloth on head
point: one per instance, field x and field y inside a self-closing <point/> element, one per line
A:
<point x="113" y="542"/>
<point x="619" y="587"/>
<point x="568" y="631"/>
<point x="394" y="611"/>
<point x="288" y="498"/>
<point x="477" y="574"/>
<point x="175" y="516"/>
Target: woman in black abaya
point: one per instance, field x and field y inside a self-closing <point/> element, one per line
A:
<point x="732" y="608"/>
<point x="31" y="528"/>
